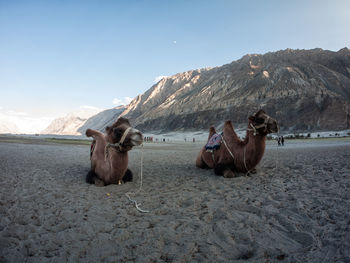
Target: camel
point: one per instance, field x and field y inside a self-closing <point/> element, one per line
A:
<point x="234" y="155"/>
<point x="109" y="153"/>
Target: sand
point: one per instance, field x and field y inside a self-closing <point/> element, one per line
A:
<point x="296" y="208"/>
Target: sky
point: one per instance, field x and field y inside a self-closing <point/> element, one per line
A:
<point x="59" y="56"/>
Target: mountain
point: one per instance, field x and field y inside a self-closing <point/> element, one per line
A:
<point x="102" y="119"/>
<point x="8" y="127"/>
<point x="305" y="90"/>
<point x="69" y="124"/>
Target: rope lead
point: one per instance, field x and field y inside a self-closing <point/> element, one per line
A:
<point x="137" y="205"/>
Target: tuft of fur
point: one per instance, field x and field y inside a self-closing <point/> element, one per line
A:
<point x="90" y="177"/>
<point x="127" y="176"/>
<point x="89" y="132"/>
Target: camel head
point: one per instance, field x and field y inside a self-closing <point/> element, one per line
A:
<point x="262" y="123"/>
<point x="123" y="134"/>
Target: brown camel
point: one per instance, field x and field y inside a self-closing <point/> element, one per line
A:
<point x="235" y="155"/>
<point x="109" y="153"/>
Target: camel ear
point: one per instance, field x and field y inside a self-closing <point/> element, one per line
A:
<point x="259" y="112"/>
<point x="108" y="129"/>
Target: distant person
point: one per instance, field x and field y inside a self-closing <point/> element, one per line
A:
<point x="279" y="141"/>
<point x="282" y="140"/>
<point x="194" y="140"/>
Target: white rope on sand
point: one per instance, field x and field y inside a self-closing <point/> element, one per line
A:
<point x="137" y="205"/>
<point x="277" y="155"/>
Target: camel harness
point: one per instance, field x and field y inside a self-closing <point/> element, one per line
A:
<point x="255" y="128"/>
<point x="119" y="145"/>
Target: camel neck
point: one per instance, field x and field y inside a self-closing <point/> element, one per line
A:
<point x="116" y="154"/>
<point x="255" y="147"/>
<point x="117" y="159"/>
<point x="256" y="141"/>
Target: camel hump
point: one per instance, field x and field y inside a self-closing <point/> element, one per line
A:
<point x="92" y="133"/>
<point x="212" y="130"/>
<point x="89" y="132"/>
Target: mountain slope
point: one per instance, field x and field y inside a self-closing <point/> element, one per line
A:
<point x="8" y="127"/>
<point x="69" y="124"/>
<point x="303" y="89"/>
<point x="102" y="119"/>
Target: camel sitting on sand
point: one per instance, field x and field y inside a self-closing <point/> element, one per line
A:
<point x="229" y="154"/>
<point x="109" y="153"/>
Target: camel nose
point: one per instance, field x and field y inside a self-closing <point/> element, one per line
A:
<point x="272" y="126"/>
<point x="136" y="137"/>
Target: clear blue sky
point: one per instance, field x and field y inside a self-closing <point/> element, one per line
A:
<point x="58" y="55"/>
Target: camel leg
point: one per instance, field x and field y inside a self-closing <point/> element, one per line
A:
<point x="224" y="170"/>
<point x="228" y="173"/>
<point x="92" y="178"/>
<point x="219" y="169"/>
<point x="199" y="162"/>
<point x="253" y="171"/>
<point x="127" y="176"/>
<point x="99" y="182"/>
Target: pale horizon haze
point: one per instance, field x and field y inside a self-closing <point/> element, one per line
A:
<point x="61" y="56"/>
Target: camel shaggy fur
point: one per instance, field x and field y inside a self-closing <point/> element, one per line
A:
<point x="109" y="153"/>
<point x="235" y="155"/>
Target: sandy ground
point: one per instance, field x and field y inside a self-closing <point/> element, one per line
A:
<point x="295" y="209"/>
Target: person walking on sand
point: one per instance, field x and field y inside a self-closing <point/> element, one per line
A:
<point x="279" y="141"/>
<point x="282" y="140"/>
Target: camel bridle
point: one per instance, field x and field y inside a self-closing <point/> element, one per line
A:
<point x="255" y="128"/>
<point x="119" y="145"/>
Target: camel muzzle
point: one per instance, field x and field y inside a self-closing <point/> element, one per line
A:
<point x="136" y="137"/>
<point x="273" y="126"/>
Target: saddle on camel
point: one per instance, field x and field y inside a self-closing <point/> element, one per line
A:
<point x="227" y="153"/>
<point x="109" y="153"/>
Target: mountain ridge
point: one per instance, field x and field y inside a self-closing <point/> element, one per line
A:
<point x="315" y="81"/>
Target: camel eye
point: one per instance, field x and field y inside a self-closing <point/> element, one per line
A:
<point x="259" y="120"/>
<point x="118" y="131"/>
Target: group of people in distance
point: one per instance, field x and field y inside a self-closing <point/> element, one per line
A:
<point x="148" y="139"/>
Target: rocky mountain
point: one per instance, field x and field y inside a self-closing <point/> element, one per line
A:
<point x="102" y="119"/>
<point x="303" y="89"/>
<point x="69" y="124"/>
